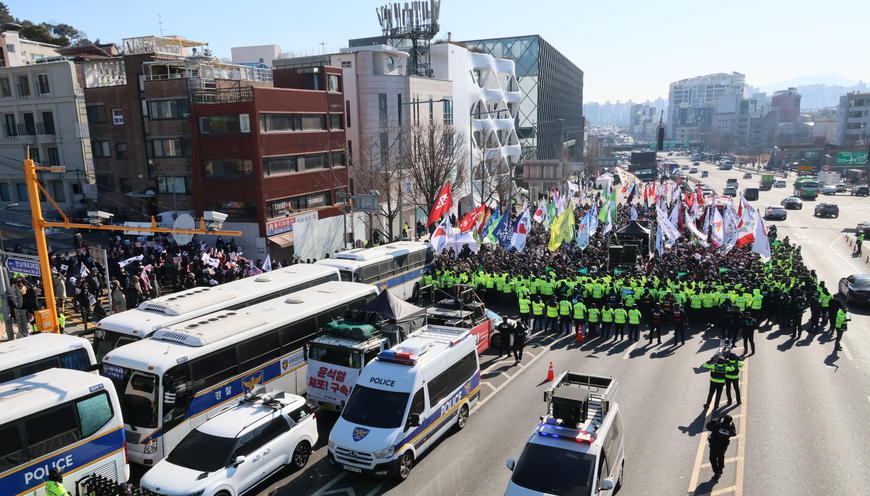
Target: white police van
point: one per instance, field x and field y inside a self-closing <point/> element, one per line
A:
<point x="405" y="400"/>
<point x="579" y="446"/>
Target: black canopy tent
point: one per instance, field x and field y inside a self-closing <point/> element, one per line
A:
<point x="405" y="316"/>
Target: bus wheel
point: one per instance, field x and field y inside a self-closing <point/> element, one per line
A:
<point x="405" y="465"/>
<point x="463" y="417"/>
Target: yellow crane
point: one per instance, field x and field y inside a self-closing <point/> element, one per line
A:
<point x="39" y="225"/>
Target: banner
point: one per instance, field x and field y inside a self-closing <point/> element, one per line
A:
<point x="442" y="206"/>
<point x="521" y="231"/>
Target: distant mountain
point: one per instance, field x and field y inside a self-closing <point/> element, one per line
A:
<point x="830" y="79"/>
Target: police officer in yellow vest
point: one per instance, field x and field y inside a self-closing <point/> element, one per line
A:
<point x="842" y="318"/>
<point x="537" y="313"/>
<point x="619" y="317"/>
<point x="579" y="315"/>
<point x="525" y="308"/>
<point x="54" y="487"/>
<point x="634" y="324"/>
<point x="565" y="315"/>
<point x="552" y="322"/>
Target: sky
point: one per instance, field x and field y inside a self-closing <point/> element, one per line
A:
<point x="627" y="50"/>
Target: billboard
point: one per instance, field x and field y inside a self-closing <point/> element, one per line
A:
<point x="643" y="165"/>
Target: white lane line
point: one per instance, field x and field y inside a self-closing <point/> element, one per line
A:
<point x="848" y="262"/>
<point x="377" y="488"/>
<point x="629" y="350"/>
<point x="329" y="484"/>
<point x="845" y="350"/>
<point x="510" y="378"/>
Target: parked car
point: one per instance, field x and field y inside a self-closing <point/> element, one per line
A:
<point x="747" y="176"/>
<point x="793" y="202"/>
<point x="856" y="288"/>
<point x="861" y="190"/>
<point x="705" y="174"/>
<point x="829" y="189"/>
<point x="827" y="209"/>
<point x="775" y="212"/>
<point x="863" y="227"/>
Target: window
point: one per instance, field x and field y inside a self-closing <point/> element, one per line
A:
<point x="47" y="123"/>
<point x="399" y="107"/>
<point x="117" y="117"/>
<point x="6" y="88"/>
<point x="96" y="114"/>
<point x="347" y="111"/>
<point x="22" y="192"/>
<point x="42" y="84"/>
<point x="448" y="112"/>
<point x="215" y="124"/>
<point x="23" y="86"/>
<point x="382" y="110"/>
<point x="51" y="431"/>
<point x="275" y="166"/>
<point x="100" y="148"/>
<point x="229" y="167"/>
<point x="173" y="147"/>
<point x="126" y="185"/>
<point x="175" y="184"/>
<point x="335" y="122"/>
<point x="168" y="109"/>
<point x="311" y="162"/>
<point x="213" y="369"/>
<point x="261" y="436"/>
<point x="245" y="123"/>
<point x="11" y="48"/>
<point x="259" y="350"/>
<point x="344" y="65"/>
<point x="11" y="447"/>
<point x="338" y="159"/>
<point x="58" y="191"/>
<point x="417" y="406"/>
<point x="293" y="335"/>
<point x="333" y="82"/>
<point x="275" y="122"/>
<point x="4" y="192"/>
<point x="350" y="150"/>
<point x="315" y="201"/>
<point x="121" y="151"/>
<point x="94" y="413"/>
<point x="105" y="182"/>
<point x="29" y="124"/>
<point x="11" y="130"/>
<point x="448" y="381"/>
<point x="301" y="413"/>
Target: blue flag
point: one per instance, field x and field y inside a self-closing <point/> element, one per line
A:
<point x="502" y="231"/>
<point x="489" y="222"/>
<point x="583" y="231"/>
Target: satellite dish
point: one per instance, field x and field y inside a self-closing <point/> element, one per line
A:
<point x="184" y="221"/>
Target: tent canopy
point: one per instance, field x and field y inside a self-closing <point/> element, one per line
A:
<point x="391" y="307"/>
<point x="633" y="229"/>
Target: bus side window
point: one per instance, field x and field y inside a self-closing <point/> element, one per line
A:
<point x="51" y="431"/>
<point x="75" y="360"/>
<point x="94" y="413"/>
<point x="6" y="376"/>
<point x="11" y="448"/>
<point x="48" y="363"/>
<point x="294" y="335"/>
<point x="176" y="395"/>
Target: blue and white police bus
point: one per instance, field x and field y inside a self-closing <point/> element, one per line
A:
<point x="187" y="373"/>
<point x="404" y="401"/>
<point x="59" y="418"/>
<point x="398" y="267"/>
<point x="139" y="323"/>
<point x="44" y="351"/>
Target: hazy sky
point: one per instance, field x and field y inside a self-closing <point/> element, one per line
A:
<point x="627" y="50"/>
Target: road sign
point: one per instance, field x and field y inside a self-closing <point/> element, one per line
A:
<point x="826" y="167"/>
<point x="605" y="162"/>
<point x="26" y="267"/>
<point x="569" y="143"/>
<point x="576" y="166"/>
<point x="851" y="158"/>
<point x="805" y="167"/>
<point x="365" y="203"/>
<point x="686" y="144"/>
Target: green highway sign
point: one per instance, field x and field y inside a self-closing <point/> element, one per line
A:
<point x="653" y="145"/>
<point x="686" y="144"/>
<point x="851" y="158"/>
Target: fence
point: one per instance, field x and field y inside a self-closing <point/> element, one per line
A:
<point x="98" y="485"/>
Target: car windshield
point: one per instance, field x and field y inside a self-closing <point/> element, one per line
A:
<point x="202" y="452"/>
<point x="862" y="283"/>
<point x="376" y="408"/>
<point x="334" y="355"/>
<point x="137" y="392"/>
<point x="554" y="471"/>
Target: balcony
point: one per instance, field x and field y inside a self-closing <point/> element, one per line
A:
<point x="227" y="95"/>
<point x="158" y="45"/>
<point x="102" y="73"/>
<point x="45" y="128"/>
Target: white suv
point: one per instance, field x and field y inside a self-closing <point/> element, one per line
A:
<point x="236" y="449"/>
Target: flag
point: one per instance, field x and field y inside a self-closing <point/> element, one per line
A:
<point x="521" y="231"/>
<point x="717" y="230"/>
<point x="441" y="235"/>
<point x="443" y="204"/>
<point x="83" y="271"/>
<point x="608" y="226"/>
<point x="660" y="245"/>
<point x="467" y="223"/>
<point x="746" y="226"/>
<point x="633" y="213"/>
<point x="572" y="188"/>
<point x="487" y="227"/>
<point x="551" y="213"/>
<point x="582" y="271"/>
<point x="213" y="262"/>
<point x="267" y="265"/>
<point x="593" y="220"/>
<point x="699" y="236"/>
<point x="501" y="231"/>
<point x="762" y="243"/>
<point x="583" y="231"/>
<point x="487" y="214"/>
<point x="609" y="207"/>
<point x="124" y="263"/>
<point x="562" y="230"/>
<point x="541" y="212"/>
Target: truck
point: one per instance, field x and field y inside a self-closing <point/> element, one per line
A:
<point x="578" y="447"/>
<point x="806" y="188"/>
<point x="726" y="164"/>
<point x="731" y="183"/>
<point x="766" y="182"/>
<point x="826" y="178"/>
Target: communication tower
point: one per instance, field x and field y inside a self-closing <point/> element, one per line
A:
<point x="411" y="27"/>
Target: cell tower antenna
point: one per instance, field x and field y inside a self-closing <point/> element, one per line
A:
<point x="412" y="27"/>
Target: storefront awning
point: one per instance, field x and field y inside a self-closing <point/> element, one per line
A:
<point x="283" y="240"/>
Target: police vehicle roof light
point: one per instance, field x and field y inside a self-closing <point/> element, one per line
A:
<point x="405" y="357"/>
<point x="580" y="437"/>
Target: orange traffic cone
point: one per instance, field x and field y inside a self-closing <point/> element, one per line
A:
<point x="550" y="375"/>
<point x="579" y="338"/>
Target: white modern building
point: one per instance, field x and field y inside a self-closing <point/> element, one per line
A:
<point x="259" y="54"/>
<point x="16" y="51"/>
<point x="700" y="92"/>
<point x="43" y="109"/>
<point x="853" y="118"/>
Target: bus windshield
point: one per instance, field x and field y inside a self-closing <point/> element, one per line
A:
<point x="346" y="275"/>
<point x="137" y="393"/>
<point x="376" y="408"/>
<point x="343" y="357"/>
<point x="106" y="341"/>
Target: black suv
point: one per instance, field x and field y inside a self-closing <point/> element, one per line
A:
<point x="861" y="190"/>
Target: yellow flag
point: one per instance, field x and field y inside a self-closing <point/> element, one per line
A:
<point x="562" y="229"/>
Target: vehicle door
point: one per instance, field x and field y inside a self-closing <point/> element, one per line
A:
<point x="418" y="407"/>
<point x="611" y="450"/>
<point x="277" y="444"/>
<point x="255" y="445"/>
<point x="302" y="426"/>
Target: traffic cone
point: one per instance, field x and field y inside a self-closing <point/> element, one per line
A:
<point x="579" y="338"/>
<point x="550" y="376"/>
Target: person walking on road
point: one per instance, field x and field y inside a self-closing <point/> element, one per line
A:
<point x="505" y="329"/>
<point x="748" y="326"/>
<point x="732" y="378"/>
<point x="842" y="318"/>
<point x="519" y="341"/>
<point x="721" y="431"/>
<point x="655" y="324"/>
<point x="718" y="368"/>
<point x="858" y="242"/>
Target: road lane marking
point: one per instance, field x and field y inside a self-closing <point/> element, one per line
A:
<point x="510" y="378"/>
<point x="845" y="350"/>
<point x="377" y="488"/>
<point x="724" y="490"/>
<point x="322" y="490"/>
<point x="629" y="350"/>
<point x="849" y="263"/>
<point x="741" y="432"/>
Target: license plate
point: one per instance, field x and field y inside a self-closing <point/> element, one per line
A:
<point x="352" y="469"/>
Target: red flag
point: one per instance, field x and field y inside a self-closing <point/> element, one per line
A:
<point x="486" y="213"/>
<point x="467" y="223"/>
<point x="443" y="204"/>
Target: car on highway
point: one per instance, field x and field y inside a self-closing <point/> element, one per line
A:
<point x="693" y="170"/>
<point x="779" y="183"/>
<point x="861" y="190"/>
<point x="828" y="189"/>
<point x="775" y="212"/>
<point x="685" y="167"/>
<point x="705" y="174"/>
<point x="855" y="288"/>
<point x="792" y="202"/>
<point x="751" y="194"/>
<point x="732" y="192"/>
<point x="747" y="176"/>
<point x="706" y="191"/>
<point x="827" y="210"/>
<point x="841" y="187"/>
<point x="863" y="227"/>
<point x="696" y="163"/>
<point x="237" y="448"/>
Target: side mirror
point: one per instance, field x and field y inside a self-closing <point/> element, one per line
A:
<point x="239" y="460"/>
<point x="607" y="484"/>
<point x="510" y="464"/>
<point x="414" y="419"/>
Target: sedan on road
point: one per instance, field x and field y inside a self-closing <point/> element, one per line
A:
<point x="861" y="190"/>
<point x="792" y="202"/>
<point x="748" y="175"/>
<point x="827" y="209"/>
<point x="696" y="163"/>
<point x="856" y="288"/>
<point x="829" y="189"/>
<point x="775" y="212"/>
<point x="732" y="192"/>
<point x="863" y="227"/>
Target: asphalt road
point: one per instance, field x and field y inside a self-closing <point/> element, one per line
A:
<point x="802" y="427"/>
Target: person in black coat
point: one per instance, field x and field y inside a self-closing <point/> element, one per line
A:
<point x="505" y="329"/>
<point x="519" y="341"/>
<point x="721" y="431"/>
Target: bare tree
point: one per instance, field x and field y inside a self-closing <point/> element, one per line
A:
<point x="434" y="154"/>
<point x="380" y="170"/>
<point x="493" y="175"/>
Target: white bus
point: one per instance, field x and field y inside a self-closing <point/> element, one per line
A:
<point x="398" y="267"/>
<point x="187" y="373"/>
<point x="39" y="352"/>
<point x="139" y="323"/>
<point x="59" y="418"/>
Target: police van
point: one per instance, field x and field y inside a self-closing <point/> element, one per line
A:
<point x="404" y="401"/>
<point x="579" y="446"/>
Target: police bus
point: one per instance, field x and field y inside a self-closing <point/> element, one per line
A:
<point x="139" y="323"/>
<point x="59" y="418"/>
<point x="187" y="373"/>
<point x="44" y="351"/>
<point x="398" y="267"/>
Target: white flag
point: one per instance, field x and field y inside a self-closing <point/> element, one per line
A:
<point x="572" y="189"/>
<point x="521" y="231"/>
<point x="761" y="245"/>
<point x="124" y="263"/>
<point x="83" y="272"/>
<point x="609" y="225"/>
<point x="441" y="234"/>
<point x="267" y="265"/>
<point x="717" y="230"/>
<point x="660" y="244"/>
<point x="633" y="213"/>
<point x="212" y="262"/>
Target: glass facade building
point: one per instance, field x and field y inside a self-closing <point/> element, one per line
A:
<point x="552" y="89"/>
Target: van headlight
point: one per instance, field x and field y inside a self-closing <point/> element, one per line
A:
<point x="331" y="443"/>
<point x="151" y="447"/>
<point x="385" y="453"/>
